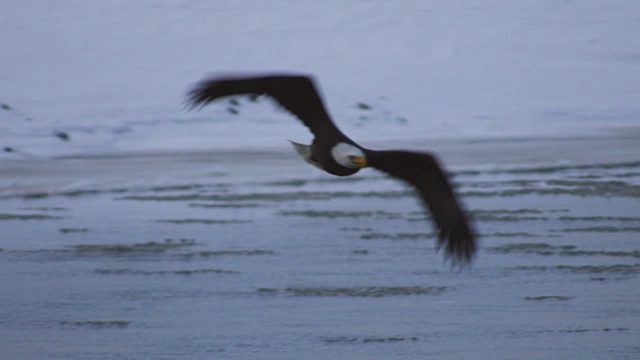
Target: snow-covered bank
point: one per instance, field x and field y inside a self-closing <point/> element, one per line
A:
<point x="112" y="74"/>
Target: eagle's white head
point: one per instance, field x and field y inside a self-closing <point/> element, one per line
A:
<point x="349" y="156"/>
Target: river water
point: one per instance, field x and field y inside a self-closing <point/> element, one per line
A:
<point x="258" y="255"/>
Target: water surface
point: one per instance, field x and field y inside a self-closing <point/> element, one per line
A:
<point x="258" y="255"/>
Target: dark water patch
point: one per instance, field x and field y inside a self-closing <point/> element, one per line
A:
<point x="507" y="218"/>
<point x="45" y="208"/>
<point x="564" y="168"/>
<point x="633" y="253"/>
<point x="510" y="215"/>
<point x="468" y="172"/>
<point x="116" y="249"/>
<point x="397" y="236"/>
<point x="73" y="230"/>
<point x="204" y="221"/>
<point x="37" y="195"/>
<point x="116" y="191"/>
<point x="226" y="205"/>
<point x="588" y="183"/>
<point x="606" y="187"/>
<point x="553" y="169"/>
<point x="356" y="229"/>
<point x="268" y="291"/>
<point x="148" y="247"/>
<point x="529" y="268"/>
<point x="506" y="211"/>
<point x="583" y="330"/>
<point x="364" y="340"/>
<point x="599" y="218"/>
<point x="360" y="252"/>
<point x="612" y="190"/>
<point x="25" y="217"/>
<point x="603" y="269"/>
<point x="42" y="251"/>
<point x="627" y="175"/>
<point x="371" y="291"/>
<point x="163" y="272"/>
<point x="603" y="188"/>
<point x="185" y="187"/>
<point x="623" y="269"/>
<point x="530" y="248"/>
<point x="603" y="229"/>
<point x="288" y="183"/>
<point x="73" y="193"/>
<point x="30" y="196"/>
<point x="513" y="234"/>
<point x="363" y="106"/>
<point x="98" y="324"/>
<point x="327" y="180"/>
<point x="182" y="197"/>
<point x="494" y="184"/>
<point x="339" y="213"/>
<point x="272" y="197"/>
<point x="586" y="177"/>
<point x="227" y="253"/>
<point x="548" y="297"/>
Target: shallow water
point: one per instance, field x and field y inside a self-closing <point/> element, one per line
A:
<point x="273" y="259"/>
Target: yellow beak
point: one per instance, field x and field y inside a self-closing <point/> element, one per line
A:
<point x="359" y="161"/>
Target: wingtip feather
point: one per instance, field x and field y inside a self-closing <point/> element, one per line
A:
<point x="459" y="246"/>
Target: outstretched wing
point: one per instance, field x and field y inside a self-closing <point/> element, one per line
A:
<point x="425" y="174"/>
<point x="296" y="93"/>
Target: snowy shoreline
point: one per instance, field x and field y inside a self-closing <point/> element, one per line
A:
<point x="101" y="171"/>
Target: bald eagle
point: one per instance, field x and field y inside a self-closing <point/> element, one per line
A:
<point x="333" y="152"/>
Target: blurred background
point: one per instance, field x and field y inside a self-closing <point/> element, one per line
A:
<point x="131" y="228"/>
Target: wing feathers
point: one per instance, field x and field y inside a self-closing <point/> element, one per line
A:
<point x="424" y="173"/>
<point x="296" y="93"/>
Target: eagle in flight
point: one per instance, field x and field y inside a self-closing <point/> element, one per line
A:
<point x="335" y="153"/>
